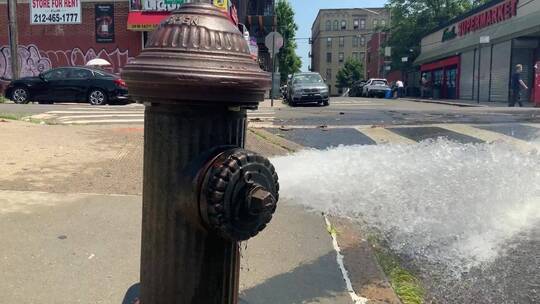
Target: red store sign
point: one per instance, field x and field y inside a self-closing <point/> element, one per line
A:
<point x="499" y="13"/>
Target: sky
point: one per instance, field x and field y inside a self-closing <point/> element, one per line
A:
<point x="306" y="12"/>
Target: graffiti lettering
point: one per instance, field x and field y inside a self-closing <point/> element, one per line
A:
<point x="34" y="61"/>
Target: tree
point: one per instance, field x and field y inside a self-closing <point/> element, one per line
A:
<point x="352" y="71"/>
<point x="289" y="62"/>
<point x="414" y="19"/>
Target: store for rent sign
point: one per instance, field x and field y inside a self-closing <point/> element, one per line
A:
<point x="494" y="15"/>
<point x="55" y="12"/>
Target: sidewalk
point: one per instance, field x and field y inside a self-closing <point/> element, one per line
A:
<point x="465" y="102"/>
<point x="70" y="222"/>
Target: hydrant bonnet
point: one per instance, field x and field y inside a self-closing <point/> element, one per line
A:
<point x="196" y="55"/>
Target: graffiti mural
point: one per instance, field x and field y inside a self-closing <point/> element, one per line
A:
<point x="33" y="61"/>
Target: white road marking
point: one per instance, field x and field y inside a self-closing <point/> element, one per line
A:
<point x="99" y="116"/>
<point x="339" y="258"/>
<point x="489" y="136"/>
<point x="385" y="136"/>
<point x="108" y="121"/>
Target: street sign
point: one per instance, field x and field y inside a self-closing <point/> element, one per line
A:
<point x="387" y="51"/>
<point x="55" y="12"/>
<point x="484" y="39"/>
<point x="274" y="42"/>
<point x="168" y="2"/>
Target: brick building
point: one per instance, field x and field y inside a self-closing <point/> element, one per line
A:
<point x="339" y="34"/>
<point x="42" y="47"/>
<point x="375" y="60"/>
<point x="46" y="46"/>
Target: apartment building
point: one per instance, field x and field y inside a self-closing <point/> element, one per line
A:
<point x="339" y="34"/>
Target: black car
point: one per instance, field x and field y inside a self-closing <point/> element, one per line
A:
<point x="357" y="88"/>
<point x="69" y="84"/>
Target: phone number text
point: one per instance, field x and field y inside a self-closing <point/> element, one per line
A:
<point x="55" y="18"/>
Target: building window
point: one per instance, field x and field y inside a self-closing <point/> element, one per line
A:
<point x="329" y="42"/>
<point x="363" y="24"/>
<point x="363" y="40"/>
<point x="328" y="25"/>
<point x="343" y="25"/>
<point x="375" y="23"/>
<point x="362" y="57"/>
<point x="328" y="74"/>
<point x="356" y="24"/>
<point x="355" y="56"/>
<point x="383" y="23"/>
<point x="355" y="41"/>
<point x="329" y="57"/>
<point x="341" y="41"/>
<point x="336" y="25"/>
<point x="341" y="57"/>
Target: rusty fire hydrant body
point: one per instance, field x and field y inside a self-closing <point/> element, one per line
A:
<point x="202" y="192"/>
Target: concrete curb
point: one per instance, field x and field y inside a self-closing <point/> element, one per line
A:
<point x="448" y="103"/>
<point x="281" y="142"/>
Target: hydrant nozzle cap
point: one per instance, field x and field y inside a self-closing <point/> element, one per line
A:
<point x="196" y="55"/>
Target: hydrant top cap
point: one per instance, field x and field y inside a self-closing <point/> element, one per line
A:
<point x="196" y="54"/>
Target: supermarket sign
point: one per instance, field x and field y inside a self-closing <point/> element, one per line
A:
<point x="55" y="12"/>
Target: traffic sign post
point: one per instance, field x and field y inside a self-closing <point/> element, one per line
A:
<point x="274" y="42"/>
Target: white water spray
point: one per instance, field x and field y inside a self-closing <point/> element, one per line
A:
<point x="444" y="202"/>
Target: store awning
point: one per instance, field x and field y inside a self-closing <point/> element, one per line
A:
<point x="145" y="21"/>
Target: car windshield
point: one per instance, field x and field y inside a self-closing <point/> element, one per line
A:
<point x="379" y="82"/>
<point x="307" y="78"/>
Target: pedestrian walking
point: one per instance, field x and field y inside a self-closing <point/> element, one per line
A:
<point x="400" y="86"/>
<point x="516" y="86"/>
<point x="424" y="86"/>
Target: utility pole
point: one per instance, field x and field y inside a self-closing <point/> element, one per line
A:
<point x="13" y="38"/>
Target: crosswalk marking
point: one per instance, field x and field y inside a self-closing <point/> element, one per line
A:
<point x="489" y="136"/>
<point x="125" y="114"/>
<point x="384" y="136"/>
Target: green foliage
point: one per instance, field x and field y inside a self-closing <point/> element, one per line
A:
<point x="289" y="62"/>
<point x="352" y="71"/>
<point x="414" y="19"/>
<point x="407" y="287"/>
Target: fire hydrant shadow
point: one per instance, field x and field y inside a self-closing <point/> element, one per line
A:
<point x="319" y="281"/>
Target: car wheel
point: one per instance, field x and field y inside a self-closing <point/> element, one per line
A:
<point x="97" y="97"/>
<point x="20" y="95"/>
<point x="325" y="103"/>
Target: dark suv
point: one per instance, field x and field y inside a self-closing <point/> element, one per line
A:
<point x="307" y="88"/>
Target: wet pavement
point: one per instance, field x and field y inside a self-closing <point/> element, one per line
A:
<point x="514" y="277"/>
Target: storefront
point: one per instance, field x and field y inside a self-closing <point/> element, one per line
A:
<point x="473" y="56"/>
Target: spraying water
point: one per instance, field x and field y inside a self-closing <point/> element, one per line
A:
<point x="439" y="201"/>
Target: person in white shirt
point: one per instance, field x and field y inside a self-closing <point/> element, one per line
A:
<point x="400" y="87"/>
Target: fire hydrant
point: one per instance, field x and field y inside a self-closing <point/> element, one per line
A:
<point x="202" y="193"/>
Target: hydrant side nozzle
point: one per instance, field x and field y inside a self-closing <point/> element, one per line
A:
<point x="239" y="194"/>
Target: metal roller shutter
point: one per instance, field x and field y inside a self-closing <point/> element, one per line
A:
<point x="485" y="66"/>
<point x="500" y="71"/>
<point x="466" y="75"/>
<point x="525" y="57"/>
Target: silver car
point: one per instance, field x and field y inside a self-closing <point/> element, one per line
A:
<point x="376" y="87"/>
<point x="307" y="88"/>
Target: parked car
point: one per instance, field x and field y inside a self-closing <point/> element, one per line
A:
<point x="69" y="84"/>
<point x="376" y="87"/>
<point x="357" y="88"/>
<point x="307" y="88"/>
